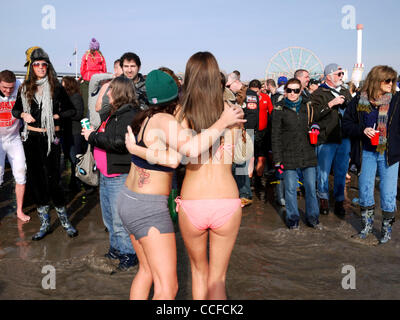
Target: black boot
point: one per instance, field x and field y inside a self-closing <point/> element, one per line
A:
<point x="367" y="219"/>
<point x="339" y="209"/>
<point x="62" y="215"/>
<point x="387" y="222"/>
<point x="44" y="217"/>
<point x="323" y="206"/>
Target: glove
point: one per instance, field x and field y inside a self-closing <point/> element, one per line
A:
<point x="279" y="171"/>
<point x="315" y="128"/>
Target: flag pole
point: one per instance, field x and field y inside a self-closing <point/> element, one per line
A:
<point x="76" y="62"/>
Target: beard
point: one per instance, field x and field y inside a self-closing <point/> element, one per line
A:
<point x="335" y="84"/>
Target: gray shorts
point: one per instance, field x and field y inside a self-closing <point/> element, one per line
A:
<point x="139" y="212"/>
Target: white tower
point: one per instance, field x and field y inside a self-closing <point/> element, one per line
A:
<point x="358" y="69"/>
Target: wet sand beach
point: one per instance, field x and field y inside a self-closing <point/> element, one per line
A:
<point x="269" y="261"/>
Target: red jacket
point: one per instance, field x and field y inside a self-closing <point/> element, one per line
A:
<point x="265" y="110"/>
<point x="92" y="64"/>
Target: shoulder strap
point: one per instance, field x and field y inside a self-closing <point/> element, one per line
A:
<point x="144" y="129"/>
<point x="310" y="116"/>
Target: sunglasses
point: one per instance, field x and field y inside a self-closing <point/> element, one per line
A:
<point x="40" y="64"/>
<point x="339" y="74"/>
<point x="289" y="90"/>
<point x="387" y="81"/>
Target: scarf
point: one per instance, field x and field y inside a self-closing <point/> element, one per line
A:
<point x="380" y="105"/>
<point x="45" y="102"/>
<point x="295" y="106"/>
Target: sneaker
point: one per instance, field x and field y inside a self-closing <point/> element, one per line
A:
<point x="281" y="202"/>
<point x="246" y="202"/>
<point x="316" y="226"/>
<point x="126" y="261"/>
<point x="112" y="254"/>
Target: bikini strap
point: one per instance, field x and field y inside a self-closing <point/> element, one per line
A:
<point x="144" y="129"/>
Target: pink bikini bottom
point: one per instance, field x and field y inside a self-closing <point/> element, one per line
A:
<point x="208" y="213"/>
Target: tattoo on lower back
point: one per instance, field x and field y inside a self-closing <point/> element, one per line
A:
<point x="144" y="177"/>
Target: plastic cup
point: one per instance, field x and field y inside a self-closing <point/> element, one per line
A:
<point x="313" y="137"/>
<point x="375" y="139"/>
<point x="85" y="123"/>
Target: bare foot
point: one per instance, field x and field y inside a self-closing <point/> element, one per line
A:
<point x="23" y="216"/>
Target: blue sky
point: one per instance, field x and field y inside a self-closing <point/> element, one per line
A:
<point x="243" y="35"/>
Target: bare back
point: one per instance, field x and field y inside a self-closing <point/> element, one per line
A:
<point x="147" y="181"/>
<point x="211" y="177"/>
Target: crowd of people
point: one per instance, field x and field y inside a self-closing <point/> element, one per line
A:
<point x="146" y="127"/>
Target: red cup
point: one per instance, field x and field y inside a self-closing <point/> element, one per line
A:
<point x="375" y="139"/>
<point x="313" y="137"/>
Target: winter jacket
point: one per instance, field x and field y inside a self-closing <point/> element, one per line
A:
<point x="112" y="140"/>
<point x="92" y="64"/>
<point x="329" y="119"/>
<point x="95" y="85"/>
<point x="141" y="95"/>
<point x="290" y="143"/>
<point x="251" y="110"/>
<point x="77" y="102"/>
<point x="354" y="126"/>
<point x="275" y="98"/>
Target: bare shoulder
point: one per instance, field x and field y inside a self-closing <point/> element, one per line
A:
<point x="162" y="117"/>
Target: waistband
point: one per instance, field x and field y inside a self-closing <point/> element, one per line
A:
<point x="144" y="196"/>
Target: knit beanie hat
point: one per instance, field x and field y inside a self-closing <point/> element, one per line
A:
<point x="160" y="87"/>
<point x="94" y="44"/>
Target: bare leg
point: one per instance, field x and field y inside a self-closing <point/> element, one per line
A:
<point x="196" y="246"/>
<point x="222" y="241"/>
<point x="260" y="166"/>
<point x="143" y="280"/>
<point x="160" y="253"/>
<point x="19" y="194"/>
<point x="251" y="167"/>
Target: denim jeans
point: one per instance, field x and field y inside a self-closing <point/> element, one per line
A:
<point x="371" y="162"/>
<point x="241" y="174"/>
<point x="290" y="178"/>
<point x="337" y="155"/>
<point x="109" y="190"/>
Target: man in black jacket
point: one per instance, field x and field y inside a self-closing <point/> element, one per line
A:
<point x="329" y="102"/>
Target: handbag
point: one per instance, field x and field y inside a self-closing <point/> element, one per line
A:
<point x="85" y="169"/>
<point x="244" y="148"/>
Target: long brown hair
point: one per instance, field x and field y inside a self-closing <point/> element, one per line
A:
<point x="122" y="92"/>
<point x="202" y="98"/>
<point x="71" y="85"/>
<point x="31" y="86"/>
<point x="374" y="79"/>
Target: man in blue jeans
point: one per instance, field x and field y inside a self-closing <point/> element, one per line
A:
<point x="329" y="102"/>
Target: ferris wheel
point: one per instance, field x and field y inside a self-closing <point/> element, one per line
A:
<point x="287" y="61"/>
